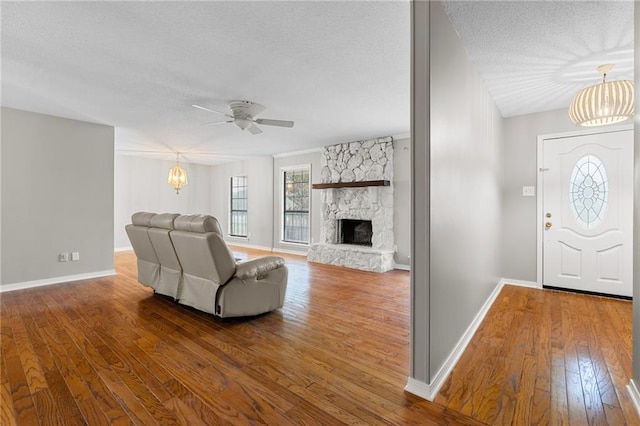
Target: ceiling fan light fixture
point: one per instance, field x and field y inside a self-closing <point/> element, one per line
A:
<point x="606" y="103"/>
<point x="177" y="176"/>
<point x="244" y="123"/>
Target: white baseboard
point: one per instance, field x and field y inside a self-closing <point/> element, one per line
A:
<point x="269" y="249"/>
<point x="245" y="245"/>
<point x="418" y="388"/>
<point x="520" y="283"/>
<point x="128" y="248"/>
<point x="634" y="394"/>
<point x="430" y="390"/>
<point x="401" y="267"/>
<point x="287" y="251"/>
<point x="56" y="280"/>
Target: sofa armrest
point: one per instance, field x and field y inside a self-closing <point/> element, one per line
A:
<point x="256" y="267"/>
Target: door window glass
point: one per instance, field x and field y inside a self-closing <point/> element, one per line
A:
<point x="588" y="189"/>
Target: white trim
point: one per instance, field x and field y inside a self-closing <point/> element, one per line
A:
<point x="539" y="209"/>
<point x="456" y="353"/>
<point x="399" y="136"/>
<point x="231" y="238"/>
<point x="429" y="391"/>
<point x="421" y="389"/>
<point x="269" y="249"/>
<point x="127" y="248"/>
<point x="401" y="267"/>
<point x="540" y="183"/>
<point x="286" y="251"/>
<point x="301" y="152"/>
<point x="251" y="246"/>
<point x="56" y="280"/>
<point x="519" y="283"/>
<point x="634" y="394"/>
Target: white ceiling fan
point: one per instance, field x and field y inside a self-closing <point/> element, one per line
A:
<point x="243" y="115"/>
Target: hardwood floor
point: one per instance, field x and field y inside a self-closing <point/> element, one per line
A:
<point x="547" y="357"/>
<point x="107" y="351"/>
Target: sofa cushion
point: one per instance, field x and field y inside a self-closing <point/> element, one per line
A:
<point x="197" y="223"/>
<point x="142" y="218"/>
<point x="163" y="220"/>
<point x="257" y="267"/>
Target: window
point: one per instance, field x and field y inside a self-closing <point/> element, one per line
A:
<point x="588" y="188"/>
<point x="295" y="226"/>
<point x="238" y="222"/>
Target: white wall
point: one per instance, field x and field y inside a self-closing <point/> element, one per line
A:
<point x="520" y="169"/>
<point x="402" y="200"/>
<point x="141" y="185"/>
<point x="466" y="167"/>
<point x="312" y="158"/>
<point x="265" y="198"/>
<point x="259" y="173"/>
<point x="636" y="210"/>
<point x="57" y="196"/>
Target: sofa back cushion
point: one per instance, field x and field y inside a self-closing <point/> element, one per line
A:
<point x="197" y="223"/>
<point x="201" y="249"/>
<point x="161" y="226"/>
<point x="139" y="237"/>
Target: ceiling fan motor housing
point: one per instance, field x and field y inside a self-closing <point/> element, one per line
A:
<point x="242" y="116"/>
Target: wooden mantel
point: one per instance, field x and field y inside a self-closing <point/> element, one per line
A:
<point x="359" y="184"/>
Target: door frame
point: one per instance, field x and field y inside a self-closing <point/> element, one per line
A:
<point x="540" y="187"/>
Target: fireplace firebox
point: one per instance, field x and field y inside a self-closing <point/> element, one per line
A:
<point x="352" y="231"/>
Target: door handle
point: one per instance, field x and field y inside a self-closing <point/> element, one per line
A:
<point x="547" y="225"/>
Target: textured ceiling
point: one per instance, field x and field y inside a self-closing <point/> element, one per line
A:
<point x="339" y="69"/>
<point x="536" y="55"/>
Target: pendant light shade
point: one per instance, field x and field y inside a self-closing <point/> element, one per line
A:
<point x="177" y="176"/>
<point x="605" y="103"/>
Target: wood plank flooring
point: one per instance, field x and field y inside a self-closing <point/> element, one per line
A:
<point x="107" y="351"/>
<point x="546" y="357"/>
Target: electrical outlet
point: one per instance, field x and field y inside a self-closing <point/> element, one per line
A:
<point x="75" y="256"/>
<point x="63" y="257"/>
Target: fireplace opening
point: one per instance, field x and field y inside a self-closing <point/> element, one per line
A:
<point x="352" y="231"/>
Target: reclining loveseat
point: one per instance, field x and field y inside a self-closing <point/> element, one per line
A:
<point x="185" y="257"/>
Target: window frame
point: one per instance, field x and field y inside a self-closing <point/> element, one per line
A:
<point x="232" y="210"/>
<point x="283" y="188"/>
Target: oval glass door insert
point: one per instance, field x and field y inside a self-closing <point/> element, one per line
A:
<point x="588" y="190"/>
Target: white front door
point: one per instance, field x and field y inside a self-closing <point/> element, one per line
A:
<point x="588" y="212"/>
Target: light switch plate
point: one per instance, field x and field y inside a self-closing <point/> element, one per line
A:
<point x="528" y="191"/>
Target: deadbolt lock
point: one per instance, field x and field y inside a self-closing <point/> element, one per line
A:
<point x="548" y="215"/>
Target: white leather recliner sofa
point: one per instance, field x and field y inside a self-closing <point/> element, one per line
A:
<point x="209" y="278"/>
<point x="148" y="263"/>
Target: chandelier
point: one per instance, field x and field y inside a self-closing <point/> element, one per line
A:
<point x="606" y="103"/>
<point x="177" y="176"/>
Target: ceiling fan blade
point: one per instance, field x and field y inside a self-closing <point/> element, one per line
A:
<point x="280" y="123"/>
<point x="211" y="110"/>
<point x="254" y="129"/>
<point x="217" y="122"/>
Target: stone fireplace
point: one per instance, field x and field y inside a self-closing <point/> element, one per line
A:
<point x="356" y="219"/>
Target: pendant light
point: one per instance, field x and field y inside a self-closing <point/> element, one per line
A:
<point x="606" y="103"/>
<point x="177" y="176"/>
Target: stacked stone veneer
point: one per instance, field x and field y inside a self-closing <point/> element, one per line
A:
<point x="355" y="162"/>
